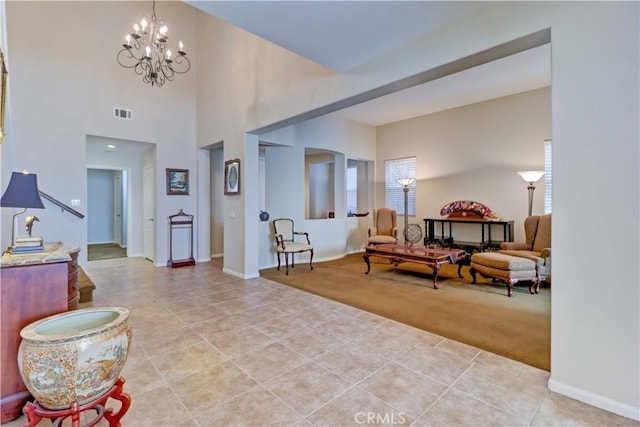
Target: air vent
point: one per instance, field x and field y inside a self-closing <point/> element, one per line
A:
<point x="121" y="113"/>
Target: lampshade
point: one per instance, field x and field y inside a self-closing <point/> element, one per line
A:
<point x="406" y="181"/>
<point x="22" y="192"/>
<point x="531" y="176"/>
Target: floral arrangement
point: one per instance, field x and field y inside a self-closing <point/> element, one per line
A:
<point x="468" y="206"/>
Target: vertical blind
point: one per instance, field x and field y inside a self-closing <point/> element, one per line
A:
<point x="352" y="189"/>
<point x="547" y="176"/>
<point x="394" y="194"/>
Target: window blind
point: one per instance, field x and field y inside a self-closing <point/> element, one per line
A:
<point x="547" y="176"/>
<point x="394" y="194"/>
<point x="352" y="189"/>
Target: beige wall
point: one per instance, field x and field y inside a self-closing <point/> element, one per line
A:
<point x="473" y="153"/>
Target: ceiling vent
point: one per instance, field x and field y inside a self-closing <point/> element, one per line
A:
<point x="121" y="113"/>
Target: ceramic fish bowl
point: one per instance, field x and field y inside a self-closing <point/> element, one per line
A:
<point x="74" y="356"/>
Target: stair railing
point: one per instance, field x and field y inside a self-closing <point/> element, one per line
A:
<point x="61" y="205"/>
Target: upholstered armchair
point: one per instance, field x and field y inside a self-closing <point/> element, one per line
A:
<point x="286" y="243"/>
<point x="384" y="227"/>
<point x="537" y="247"/>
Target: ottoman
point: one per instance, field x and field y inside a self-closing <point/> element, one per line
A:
<point x="505" y="268"/>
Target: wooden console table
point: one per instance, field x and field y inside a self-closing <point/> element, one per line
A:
<point x="33" y="286"/>
<point x="446" y="238"/>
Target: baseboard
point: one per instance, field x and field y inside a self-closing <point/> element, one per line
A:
<point x="595" y="400"/>
<point x="240" y="275"/>
<point x="306" y="261"/>
<point x="356" y="251"/>
<point x="107" y="243"/>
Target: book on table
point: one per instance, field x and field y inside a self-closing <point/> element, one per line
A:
<point x="26" y="249"/>
<point x="24" y="241"/>
<point x="27" y="244"/>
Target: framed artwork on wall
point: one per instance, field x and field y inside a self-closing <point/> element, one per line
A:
<point x="3" y="94"/>
<point x="232" y="176"/>
<point x="177" y="182"/>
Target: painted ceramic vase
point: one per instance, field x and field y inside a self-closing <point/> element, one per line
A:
<point x="74" y="356"/>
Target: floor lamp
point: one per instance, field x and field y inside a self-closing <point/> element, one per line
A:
<point x="531" y="177"/>
<point x="22" y="192"/>
<point x="406" y="182"/>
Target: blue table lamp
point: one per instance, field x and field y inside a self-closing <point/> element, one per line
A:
<point x="22" y="192"/>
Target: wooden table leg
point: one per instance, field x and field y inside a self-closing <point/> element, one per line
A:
<point x="435" y="267"/>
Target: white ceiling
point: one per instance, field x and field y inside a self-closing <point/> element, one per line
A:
<point x="342" y="35"/>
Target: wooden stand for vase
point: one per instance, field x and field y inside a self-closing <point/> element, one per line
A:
<point x="35" y="412"/>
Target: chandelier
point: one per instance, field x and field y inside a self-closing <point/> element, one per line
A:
<point x="146" y="52"/>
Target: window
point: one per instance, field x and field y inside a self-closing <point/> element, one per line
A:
<point x="352" y="189"/>
<point x="394" y="194"/>
<point x="547" y="176"/>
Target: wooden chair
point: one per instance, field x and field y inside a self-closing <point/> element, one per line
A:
<point x="285" y="235"/>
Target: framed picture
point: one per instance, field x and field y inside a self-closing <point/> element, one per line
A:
<point x="3" y="94"/>
<point x="177" y="182"/>
<point x="232" y="176"/>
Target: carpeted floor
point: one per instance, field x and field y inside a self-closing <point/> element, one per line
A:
<point x="105" y="251"/>
<point x="480" y="315"/>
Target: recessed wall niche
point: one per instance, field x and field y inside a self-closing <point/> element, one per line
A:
<point x="321" y="168"/>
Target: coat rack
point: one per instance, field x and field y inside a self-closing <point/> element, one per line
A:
<point x="177" y="221"/>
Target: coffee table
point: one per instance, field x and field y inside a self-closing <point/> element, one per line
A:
<point x="398" y="254"/>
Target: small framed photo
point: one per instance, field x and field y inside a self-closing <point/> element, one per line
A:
<point x="232" y="176"/>
<point x="177" y="182"/>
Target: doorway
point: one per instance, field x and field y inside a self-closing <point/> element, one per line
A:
<point x="106" y="219"/>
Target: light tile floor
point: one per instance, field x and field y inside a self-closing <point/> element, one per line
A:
<point x="210" y="349"/>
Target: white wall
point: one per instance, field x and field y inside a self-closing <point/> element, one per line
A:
<point x="100" y="206"/>
<point x="595" y="330"/>
<point x="53" y="111"/>
<point x="473" y="153"/>
<point x="286" y="186"/>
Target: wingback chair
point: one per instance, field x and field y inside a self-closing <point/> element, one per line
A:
<point x="537" y="247"/>
<point x="286" y="243"/>
<point x="384" y="228"/>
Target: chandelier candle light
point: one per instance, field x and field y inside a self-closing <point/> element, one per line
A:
<point x="531" y="177"/>
<point x="146" y="52"/>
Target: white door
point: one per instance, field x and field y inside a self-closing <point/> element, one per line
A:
<point x="117" y="207"/>
<point x="148" y="215"/>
